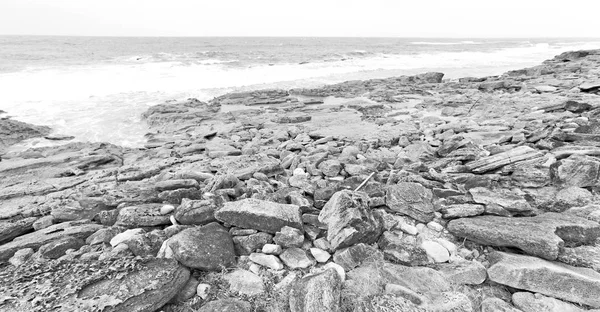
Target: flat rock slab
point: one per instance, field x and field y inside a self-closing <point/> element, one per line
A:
<point x="76" y="229"/>
<point x="554" y="279"/>
<point x="411" y="199"/>
<point x="243" y="167"/>
<point x="121" y="284"/>
<point x="12" y="229"/>
<point x="141" y="216"/>
<point x="260" y="215"/>
<point x="543" y="236"/>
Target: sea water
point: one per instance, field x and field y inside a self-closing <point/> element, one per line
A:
<point x="96" y="88"/>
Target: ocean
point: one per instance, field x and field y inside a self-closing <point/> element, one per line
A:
<point x="96" y="88"/>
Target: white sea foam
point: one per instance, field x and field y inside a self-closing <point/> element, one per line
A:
<point x="444" y="43"/>
<point x="103" y="102"/>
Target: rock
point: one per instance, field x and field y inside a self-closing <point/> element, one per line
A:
<point x="402" y="249"/>
<point x="57" y="248"/>
<point x="144" y="285"/>
<point x="166" y="209"/>
<point x="496" y="161"/>
<point x="581" y="256"/>
<point x="187" y="292"/>
<point x="146" y="244"/>
<point x="411" y="199"/>
<point x="245" y="245"/>
<point x="245" y="283"/>
<point x="142" y="215"/>
<point x="462" y="211"/>
<point x="320" y="292"/>
<point x="330" y="168"/>
<point x="543" y="236"/>
<point x="196" y="212"/>
<point x="590" y="86"/>
<point x="170" y="185"/>
<point x="202" y="290"/>
<point x="243" y="167"/>
<point x="577" y="107"/>
<point x="435" y="251"/>
<point x="289" y="237"/>
<point x="12" y="229"/>
<point x="43" y="222"/>
<point x="578" y="285"/>
<point x="351" y="257"/>
<point x="576" y="170"/>
<point x="272" y="249"/>
<point x="401" y="291"/>
<point x="269" y="261"/>
<point x="463" y="272"/>
<point x="76" y="229"/>
<point x="295" y="258"/>
<point x="529" y="302"/>
<point x="501" y="201"/>
<point x="21" y="256"/>
<point x="572" y="196"/>
<point x="13" y="131"/>
<point x="226" y="305"/>
<point x="206" y="248"/>
<point x="497" y="305"/>
<point x="124" y="236"/>
<point x="260" y="215"/>
<point x="320" y="255"/>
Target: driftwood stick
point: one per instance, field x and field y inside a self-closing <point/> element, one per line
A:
<point x="365" y="181"/>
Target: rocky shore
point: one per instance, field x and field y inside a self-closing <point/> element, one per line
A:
<point x="401" y="194"/>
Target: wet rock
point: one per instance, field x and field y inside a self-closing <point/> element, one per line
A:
<point x="351" y="257"/>
<point x="319" y="292"/>
<point x="260" y="215"/>
<point x="76" y="229"/>
<point x="543" y="236"/>
<point x="206" y="248"/>
<point x="289" y="237"/>
<point x="195" y="212"/>
<point x="411" y="199"/>
<point x="141" y="216"/>
<point x="245" y="245"/>
<point x="12" y="229"/>
<point x="349" y="220"/>
<point x="245" y="283"/>
<point x="578" y="285"/>
<point x="226" y="305"/>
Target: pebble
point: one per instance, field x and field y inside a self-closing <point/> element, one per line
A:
<point x="202" y="291"/>
<point x="320" y="255"/>
<point x="166" y="209"/>
<point x="436" y="251"/>
<point x="272" y="249"/>
<point x="408" y="229"/>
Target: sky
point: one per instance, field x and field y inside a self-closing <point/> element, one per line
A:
<point x="353" y="18"/>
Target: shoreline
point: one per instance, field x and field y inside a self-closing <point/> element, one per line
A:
<point x="437" y="192"/>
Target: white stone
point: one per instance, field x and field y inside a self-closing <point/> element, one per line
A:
<point x="269" y="261"/>
<point x="435" y="251"/>
<point x="435" y="226"/>
<point x="245" y="282"/>
<point x="272" y="249"/>
<point x="125" y="236"/>
<point x="299" y="172"/>
<point x="202" y="291"/>
<point x="408" y="229"/>
<point x="166" y="209"/>
<point x="450" y="246"/>
<point x="173" y="220"/>
<point x="320" y="255"/>
<point x="254" y="268"/>
<point x="421" y="227"/>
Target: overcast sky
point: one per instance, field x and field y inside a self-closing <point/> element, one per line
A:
<point x="414" y="18"/>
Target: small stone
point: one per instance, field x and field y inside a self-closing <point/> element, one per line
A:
<point x="202" y="291"/>
<point x="245" y="282"/>
<point x="188" y="291"/>
<point x="125" y="236"/>
<point x="43" y="222"/>
<point x="435" y="226"/>
<point x="436" y="251"/>
<point x="269" y="261"/>
<point x="322" y="243"/>
<point x="408" y="229"/>
<point x="166" y="209"/>
<point x="272" y="249"/>
<point x="450" y="246"/>
<point x="289" y="237"/>
<point x="320" y="255"/>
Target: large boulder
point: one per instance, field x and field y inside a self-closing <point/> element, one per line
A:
<point x="209" y="247"/>
<point x="554" y="279"/>
<point x="411" y="199"/>
<point x="260" y="215"/>
<point x="317" y="293"/>
<point x="543" y="236"/>
<point x="349" y="220"/>
<point x="113" y="285"/>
